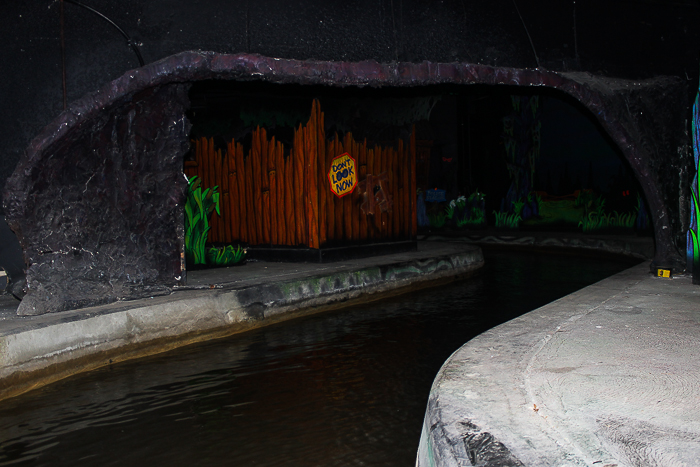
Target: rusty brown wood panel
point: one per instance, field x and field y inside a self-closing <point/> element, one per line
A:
<point x="264" y="187"/>
<point x="290" y="203"/>
<point x="323" y="187"/>
<point x="412" y="196"/>
<point x="361" y="175"/>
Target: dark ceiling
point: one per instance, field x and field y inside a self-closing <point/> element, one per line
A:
<point x="628" y="39"/>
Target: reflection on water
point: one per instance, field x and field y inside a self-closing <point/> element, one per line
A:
<point x="338" y="389"/>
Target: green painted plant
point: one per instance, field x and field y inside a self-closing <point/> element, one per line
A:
<point x="225" y="256"/>
<point x="437" y="220"/>
<point x="472" y="221"/>
<point x="507" y="220"/>
<point x="455" y="205"/>
<point x="598" y="220"/>
<point x="518" y="206"/>
<point x="593" y="221"/>
<point x="467" y="211"/>
<point x="693" y="233"/>
<point x="198" y="207"/>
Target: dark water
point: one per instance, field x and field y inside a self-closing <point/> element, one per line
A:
<point x="339" y="389"/>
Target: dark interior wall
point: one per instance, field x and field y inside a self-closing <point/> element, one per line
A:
<point x="621" y="38"/>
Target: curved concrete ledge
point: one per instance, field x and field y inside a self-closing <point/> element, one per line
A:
<point x="605" y="376"/>
<point x="38" y="350"/>
<point x="636" y="247"/>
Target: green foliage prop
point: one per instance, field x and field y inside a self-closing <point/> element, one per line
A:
<point x="507" y="220"/>
<point x="693" y="233"/>
<point x="467" y="211"/>
<point x="595" y="218"/>
<point x="437" y="220"/>
<point x="226" y="256"/>
<point x="198" y="207"/>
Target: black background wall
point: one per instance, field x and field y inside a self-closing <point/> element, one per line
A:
<point x="621" y="38"/>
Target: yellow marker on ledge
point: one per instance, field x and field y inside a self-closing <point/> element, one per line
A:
<point x="664" y="273"/>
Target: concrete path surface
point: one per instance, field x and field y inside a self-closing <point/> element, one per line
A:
<point x="36" y="350"/>
<point x="607" y="376"/>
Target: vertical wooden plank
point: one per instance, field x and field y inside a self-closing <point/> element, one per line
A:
<point x="242" y="195"/>
<point x="330" y="202"/>
<point x="355" y="198"/>
<point x="396" y="209"/>
<point x="412" y="193"/>
<point x="258" y="212"/>
<point x="229" y="173"/>
<point x="289" y="202"/>
<point x="371" y="227"/>
<point x="214" y="177"/>
<point x="214" y="221"/>
<point x="347" y="199"/>
<point x="266" y="216"/>
<point x="234" y="189"/>
<point x="280" y="176"/>
<point x="250" y="199"/>
<point x="265" y="188"/>
<point x="389" y="190"/>
<point x="305" y="140"/>
<point x="223" y="189"/>
<point x="211" y="180"/>
<point x="362" y="175"/>
<point x="379" y="216"/>
<point x="272" y="177"/>
<point x="402" y="205"/>
<point x="299" y="194"/>
<point x="386" y="163"/>
<point x="311" y="177"/>
<point x="323" y="190"/>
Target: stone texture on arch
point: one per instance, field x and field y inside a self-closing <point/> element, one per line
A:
<point x="96" y="199"/>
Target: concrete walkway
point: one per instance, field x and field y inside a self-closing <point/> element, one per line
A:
<point x="36" y="350"/>
<point x="607" y="376"/>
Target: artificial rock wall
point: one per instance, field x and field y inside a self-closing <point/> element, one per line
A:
<point x="96" y="201"/>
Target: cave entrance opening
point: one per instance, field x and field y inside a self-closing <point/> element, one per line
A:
<point x="487" y="159"/>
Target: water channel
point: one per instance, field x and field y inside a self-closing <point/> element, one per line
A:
<point x="345" y="388"/>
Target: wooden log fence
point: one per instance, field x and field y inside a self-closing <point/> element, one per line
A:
<point x="269" y="199"/>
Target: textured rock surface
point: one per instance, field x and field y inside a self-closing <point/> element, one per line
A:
<point x="115" y="155"/>
<point x="605" y="376"/>
<point x="98" y="208"/>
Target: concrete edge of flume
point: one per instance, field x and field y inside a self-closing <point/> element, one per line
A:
<point x="470" y="418"/>
<point x="636" y="247"/>
<point x="71" y="343"/>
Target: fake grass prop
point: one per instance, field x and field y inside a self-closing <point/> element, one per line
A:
<point x="507" y="220"/>
<point x="437" y="220"/>
<point x="595" y="218"/>
<point x="510" y="220"/>
<point x="226" y="256"/>
<point x="198" y="207"/>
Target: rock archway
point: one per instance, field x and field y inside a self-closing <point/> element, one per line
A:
<point x="96" y="199"/>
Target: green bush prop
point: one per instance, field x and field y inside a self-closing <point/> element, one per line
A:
<point x="198" y="208"/>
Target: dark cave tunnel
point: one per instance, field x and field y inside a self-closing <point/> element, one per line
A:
<point x="146" y="109"/>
